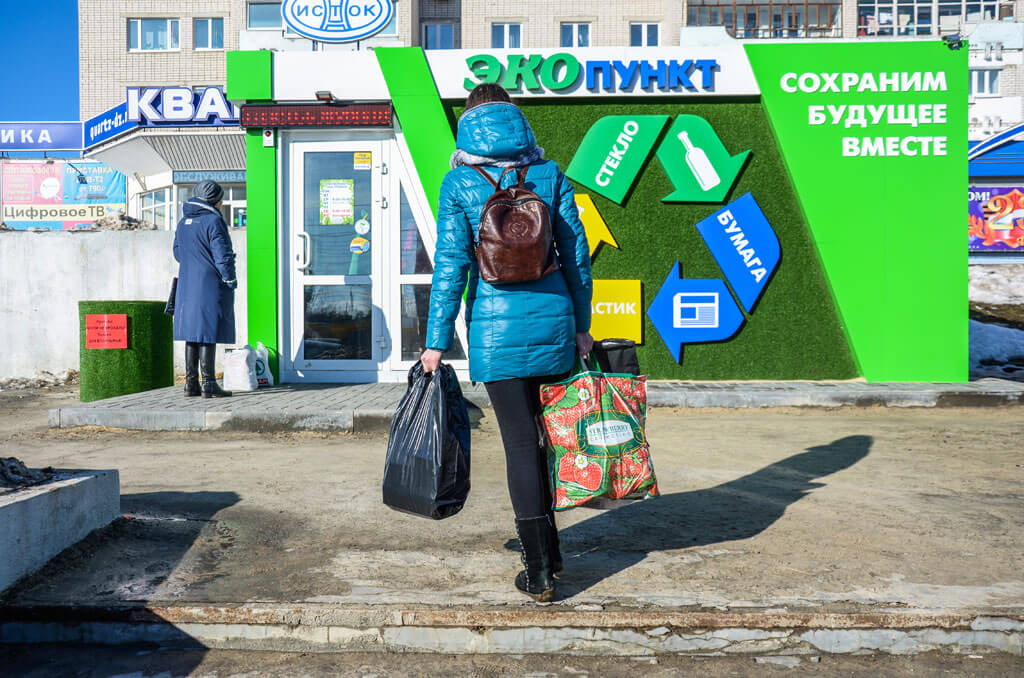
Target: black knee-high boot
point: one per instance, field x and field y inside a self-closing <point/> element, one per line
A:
<point x="208" y="365"/>
<point x="537" y="580"/>
<point x="192" y="387"/>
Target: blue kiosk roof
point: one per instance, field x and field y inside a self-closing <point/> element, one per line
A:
<point x="1001" y="155"/>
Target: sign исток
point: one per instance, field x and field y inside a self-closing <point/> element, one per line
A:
<point x="337" y="20"/>
<point x="106" y="330"/>
<point x="616" y="311"/>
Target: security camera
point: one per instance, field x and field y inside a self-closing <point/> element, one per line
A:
<point x="954" y="42"/>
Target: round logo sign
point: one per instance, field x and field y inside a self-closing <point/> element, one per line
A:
<point x="362" y="227"/>
<point x="359" y="246"/>
<point x="337" y="20"/>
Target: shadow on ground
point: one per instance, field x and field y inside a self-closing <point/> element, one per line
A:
<point x="132" y="561"/>
<point x="612" y="541"/>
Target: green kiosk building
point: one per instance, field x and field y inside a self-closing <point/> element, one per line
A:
<point x="769" y="211"/>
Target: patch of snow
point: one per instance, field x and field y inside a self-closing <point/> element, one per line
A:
<point x="41" y="380"/>
<point x="996" y="283"/>
<point x="1003" y="345"/>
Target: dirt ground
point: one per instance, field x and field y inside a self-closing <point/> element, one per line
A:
<point x="799" y="507"/>
<point x="140" y="662"/>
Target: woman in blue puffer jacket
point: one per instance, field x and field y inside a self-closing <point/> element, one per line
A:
<point x="521" y="335"/>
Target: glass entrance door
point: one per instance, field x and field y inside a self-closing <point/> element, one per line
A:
<point x="336" y="209"/>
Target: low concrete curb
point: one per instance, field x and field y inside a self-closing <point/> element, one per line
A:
<point x="327" y="628"/>
<point x="370" y="407"/>
<point x="38" y="522"/>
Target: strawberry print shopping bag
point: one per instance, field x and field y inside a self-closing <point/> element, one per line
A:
<point x="596" y="442"/>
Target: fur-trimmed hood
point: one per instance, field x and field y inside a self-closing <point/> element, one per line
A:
<point x="496" y="134"/>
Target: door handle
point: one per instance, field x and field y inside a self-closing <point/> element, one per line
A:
<point x="305" y="256"/>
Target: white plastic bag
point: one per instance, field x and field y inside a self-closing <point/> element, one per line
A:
<point x="240" y="369"/>
<point x="264" y="377"/>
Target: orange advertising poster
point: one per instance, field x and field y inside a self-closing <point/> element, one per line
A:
<point x="106" y="330"/>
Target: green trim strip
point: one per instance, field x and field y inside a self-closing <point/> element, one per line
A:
<point x="261" y="255"/>
<point x="420" y="112"/>
<point x="250" y="78"/>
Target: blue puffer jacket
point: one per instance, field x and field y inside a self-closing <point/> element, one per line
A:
<point x="515" y="329"/>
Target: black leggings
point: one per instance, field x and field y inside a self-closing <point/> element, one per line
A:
<point x="516" y="404"/>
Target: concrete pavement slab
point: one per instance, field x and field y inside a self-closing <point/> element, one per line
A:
<point x="907" y="516"/>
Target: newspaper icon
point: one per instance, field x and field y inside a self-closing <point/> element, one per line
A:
<point x="695" y="310"/>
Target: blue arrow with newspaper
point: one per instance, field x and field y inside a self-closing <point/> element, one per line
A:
<point x="693" y="311"/>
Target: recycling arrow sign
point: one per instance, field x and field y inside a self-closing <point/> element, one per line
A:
<point x="697" y="162"/>
<point x="615" y="149"/>
<point x="693" y="311"/>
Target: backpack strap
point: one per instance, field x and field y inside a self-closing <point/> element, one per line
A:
<point x="520" y="176"/>
<point x="488" y="177"/>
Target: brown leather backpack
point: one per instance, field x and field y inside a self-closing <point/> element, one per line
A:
<point x="515" y="238"/>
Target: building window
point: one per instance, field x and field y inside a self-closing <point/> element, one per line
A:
<point x="760" y="19"/>
<point x="152" y="35"/>
<point x="232" y="210"/>
<point x="439" y="36"/>
<point x="882" y="18"/>
<point x="984" y="82"/>
<point x="505" y="36"/>
<point x="953" y="12"/>
<point x="208" y="33"/>
<point x="392" y="27"/>
<point x="154" y="207"/>
<point x="575" y="35"/>
<point x="643" y="35"/>
<point x="264" y="16"/>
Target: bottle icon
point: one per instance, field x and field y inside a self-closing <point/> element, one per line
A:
<point x="699" y="164"/>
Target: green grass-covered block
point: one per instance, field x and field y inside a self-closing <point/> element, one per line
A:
<point x="147" y="363"/>
<point x="794" y="332"/>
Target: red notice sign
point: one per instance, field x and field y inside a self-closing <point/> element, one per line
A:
<point x="106" y="330"/>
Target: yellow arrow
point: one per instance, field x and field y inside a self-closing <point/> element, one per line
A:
<point x="597" y="230"/>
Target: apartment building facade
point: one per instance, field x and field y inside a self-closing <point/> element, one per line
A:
<point x="181" y="43"/>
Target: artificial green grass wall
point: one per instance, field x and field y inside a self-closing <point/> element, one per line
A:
<point x="147" y="363"/>
<point x="794" y="331"/>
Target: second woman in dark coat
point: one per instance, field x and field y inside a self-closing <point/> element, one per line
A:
<point x="204" y="310"/>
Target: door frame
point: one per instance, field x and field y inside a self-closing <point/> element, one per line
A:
<point x="394" y="151"/>
<point x="293" y="146"/>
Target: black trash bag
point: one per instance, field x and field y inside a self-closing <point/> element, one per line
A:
<point x="427" y="467"/>
<point x="617" y="356"/>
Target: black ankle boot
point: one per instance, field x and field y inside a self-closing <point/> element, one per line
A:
<point x="208" y="366"/>
<point x="192" y="387"/>
<point x="556" y="550"/>
<point x="537" y="580"/>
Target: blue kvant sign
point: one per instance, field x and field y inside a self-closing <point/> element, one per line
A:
<point x="337" y="20"/>
<point x="180" y="107"/>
